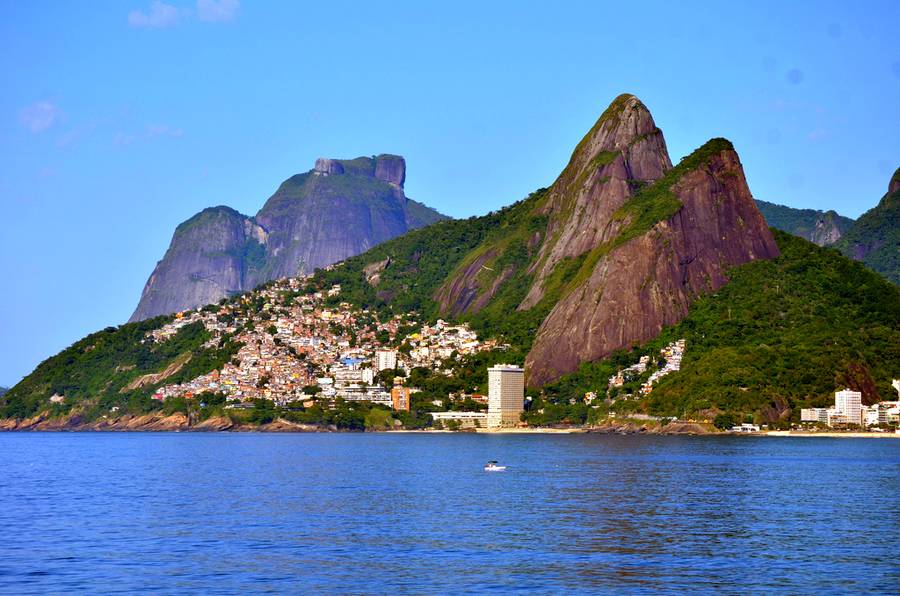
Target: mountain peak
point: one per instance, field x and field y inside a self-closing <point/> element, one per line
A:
<point x="339" y="209"/>
<point x="623" y="151"/>
<point x="385" y="167"/>
<point x="894" y="184"/>
<point x="621" y="126"/>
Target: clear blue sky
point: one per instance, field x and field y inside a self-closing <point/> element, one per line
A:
<point x="120" y="119"/>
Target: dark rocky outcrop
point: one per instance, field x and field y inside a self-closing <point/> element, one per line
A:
<point x="338" y="209"/>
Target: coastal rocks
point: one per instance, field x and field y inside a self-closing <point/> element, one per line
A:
<point x="155" y="422"/>
<point x="280" y="425"/>
<point x="629" y="427"/>
<point x="214" y="424"/>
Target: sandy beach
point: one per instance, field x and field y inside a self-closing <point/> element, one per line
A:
<point x="834" y="435"/>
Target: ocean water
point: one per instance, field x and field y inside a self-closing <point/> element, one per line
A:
<point x="413" y="513"/>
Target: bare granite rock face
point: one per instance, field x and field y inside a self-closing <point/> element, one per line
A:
<point x="623" y="151"/>
<point x="629" y="242"/>
<point x="338" y="209"/>
<point x="391" y="169"/>
<point x="649" y="282"/>
<point x="328" y="166"/>
<point x="205" y="262"/>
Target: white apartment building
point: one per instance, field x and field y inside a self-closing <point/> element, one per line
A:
<point x="506" y="395"/>
<point x="814" y="415"/>
<point x="465" y="419"/>
<point x="385" y="360"/>
<point x="849" y="404"/>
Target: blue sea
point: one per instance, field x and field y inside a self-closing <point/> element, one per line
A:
<point x="415" y="513"/>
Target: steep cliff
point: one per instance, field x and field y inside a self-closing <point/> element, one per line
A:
<point x="340" y="209"/>
<point x="819" y="227"/>
<point x="875" y="237"/>
<point x="645" y="278"/>
<point x="212" y="255"/>
<point x="336" y="210"/>
<point x="617" y="248"/>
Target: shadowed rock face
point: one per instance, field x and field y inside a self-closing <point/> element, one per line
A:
<point x="649" y="282"/>
<point x="338" y="209"/>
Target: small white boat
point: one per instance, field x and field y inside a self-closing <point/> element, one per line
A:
<point x="492" y="466"/>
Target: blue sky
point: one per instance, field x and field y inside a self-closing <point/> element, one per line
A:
<point x="120" y="119"/>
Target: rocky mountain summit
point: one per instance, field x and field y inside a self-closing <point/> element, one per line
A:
<point x="338" y="209"/>
<point x="620" y="245"/>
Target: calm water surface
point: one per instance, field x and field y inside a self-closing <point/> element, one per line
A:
<point x="229" y="513"/>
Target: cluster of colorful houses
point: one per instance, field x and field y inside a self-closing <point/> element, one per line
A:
<point x="308" y="348"/>
<point x="296" y="347"/>
<point x="670" y="359"/>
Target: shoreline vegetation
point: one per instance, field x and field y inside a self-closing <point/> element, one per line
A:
<point x="180" y="423"/>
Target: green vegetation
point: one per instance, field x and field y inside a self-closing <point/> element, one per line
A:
<point x="782" y="335"/>
<point x="93" y="373"/>
<point x="875" y="237"/>
<point x="207" y="217"/>
<point x="800" y="222"/>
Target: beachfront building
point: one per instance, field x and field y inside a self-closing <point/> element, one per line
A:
<point x="506" y="395"/>
<point x="464" y="419"/>
<point x="848" y="409"/>
<point x="385" y="360"/>
<point x="814" y="415"/>
<point x="848" y="404"/>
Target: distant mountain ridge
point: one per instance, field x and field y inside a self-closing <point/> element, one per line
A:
<point x="819" y="227"/>
<point x="338" y="209"/>
<point x="875" y="237"/>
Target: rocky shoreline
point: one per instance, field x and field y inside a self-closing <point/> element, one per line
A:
<point x="151" y="423"/>
<point x="181" y="423"/>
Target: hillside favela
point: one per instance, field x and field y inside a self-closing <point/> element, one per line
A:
<point x="520" y="307"/>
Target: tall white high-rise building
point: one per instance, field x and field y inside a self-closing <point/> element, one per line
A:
<point x="385" y="359"/>
<point x="849" y="403"/>
<point x="506" y="395"/>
